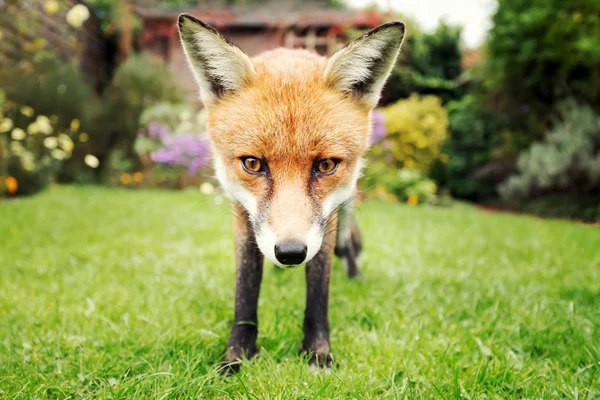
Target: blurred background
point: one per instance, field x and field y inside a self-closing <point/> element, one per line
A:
<point x="492" y="102"/>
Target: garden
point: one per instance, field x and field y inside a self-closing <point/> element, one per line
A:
<point x="479" y="207"/>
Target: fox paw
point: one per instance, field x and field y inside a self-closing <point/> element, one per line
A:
<point x="320" y="360"/>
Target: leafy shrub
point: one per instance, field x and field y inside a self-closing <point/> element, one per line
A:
<point x="406" y="185"/>
<point x="32" y="147"/>
<point x="581" y="207"/>
<point x="526" y="62"/>
<point x="416" y="130"/>
<point x="139" y="83"/>
<point x="429" y="63"/>
<point x="473" y="137"/>
<point x="54" y="88"/>
<point x="567" y="161"/>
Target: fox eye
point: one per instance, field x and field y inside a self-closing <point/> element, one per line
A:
<point x="327" y="166"/>
<point x="252" y="165"/>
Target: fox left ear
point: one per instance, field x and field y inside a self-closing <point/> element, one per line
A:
<point x="218" y="65"/>
<point x="362" y="67"/>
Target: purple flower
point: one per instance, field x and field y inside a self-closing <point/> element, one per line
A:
<point x="187" y="150"/>
<point x="379" y="131"/>
<point x="157" y="130"/>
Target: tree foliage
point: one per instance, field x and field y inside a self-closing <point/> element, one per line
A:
<point x="430" y="63"/>
<point x="541" y="52"/>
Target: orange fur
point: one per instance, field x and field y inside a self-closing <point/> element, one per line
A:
<point x="288" y="115"/>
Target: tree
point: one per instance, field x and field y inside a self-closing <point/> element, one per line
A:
<point x="541" y="52"/>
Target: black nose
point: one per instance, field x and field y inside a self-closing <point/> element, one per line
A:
<point x="290" y="252"/>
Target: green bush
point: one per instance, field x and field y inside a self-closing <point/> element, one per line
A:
<point x="139" y="83"/>
<point x="429" y="63"/>
<point x="473" y="137"/>
<point x="581" y="207"/>
<point x="416" y="130"/>
<point x="32" y="148"/>
<point x="568" y="161"/>
<point x="406" y="185"/>
<point x="54" y="88"/>
<point x="541" y="52"/>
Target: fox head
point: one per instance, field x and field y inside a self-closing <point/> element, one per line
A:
<point x="289" y="129"/>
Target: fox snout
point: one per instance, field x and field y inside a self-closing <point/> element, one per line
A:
<point x="291" y="244"/>
<point x="284" y="251"/>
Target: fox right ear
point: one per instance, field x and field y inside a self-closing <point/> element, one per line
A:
<point x="218" y="65"/>
<point x="362" y="67"/>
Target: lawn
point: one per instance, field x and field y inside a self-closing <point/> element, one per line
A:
<point x="108" y="293"/>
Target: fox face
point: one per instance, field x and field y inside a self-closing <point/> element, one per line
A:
<point x="289" y="129"/>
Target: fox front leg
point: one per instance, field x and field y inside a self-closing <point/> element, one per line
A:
<point x="242" y="341"/>
<point x="316" y="322"/>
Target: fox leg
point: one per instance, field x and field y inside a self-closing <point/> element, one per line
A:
<point x="242" y="341"/>
<point x="316" y="322"/>
<point x="348" y="244"/>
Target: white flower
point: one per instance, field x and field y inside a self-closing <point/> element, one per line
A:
<point x="18" y="134"/>
<point x="6" y="125"/>
<point x="40" y="125"/>
<point x="77" y="15"/>
<point x="27" y="111"/>
<point x="185" y="115"/>
<point x="91" y="161"/>
<point x="65" y="142"/>
<point x="28" y="161"/>
<point x="207" y="188"/>
<point x="43" y="124"/>
<point x="58" y="154"/>
<point x="51" y="142"/>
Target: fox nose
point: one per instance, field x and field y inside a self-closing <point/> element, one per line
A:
<point x="290" y="252"/>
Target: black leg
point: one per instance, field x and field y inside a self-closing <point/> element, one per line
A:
<point x="316" y="323"/>
<point x="242" y="341"/>
<point x="348" y="243"/>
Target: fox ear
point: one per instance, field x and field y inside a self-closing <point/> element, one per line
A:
<point x="362" y="67"/>
<point x="218" y="65"/>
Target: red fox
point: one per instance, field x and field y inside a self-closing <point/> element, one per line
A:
<point x="289" y="130"/>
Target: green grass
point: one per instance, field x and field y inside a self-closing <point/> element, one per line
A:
<point x="108" y="293"/>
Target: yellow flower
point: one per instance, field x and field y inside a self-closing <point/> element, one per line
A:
<point x="138" y="177"/>
<point x="412" y="200"/>
<point x="91" y="161"/>
<point x="18" y="134"/>
<point x="65" y="142"/>
<point x="51" y="7"/>
<point x="83" y="137"/>
<point x="125" y="179"/>
<point x="11" y="184"/>
<point x="77" y="15"/>
<point x="75" y="124"/>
